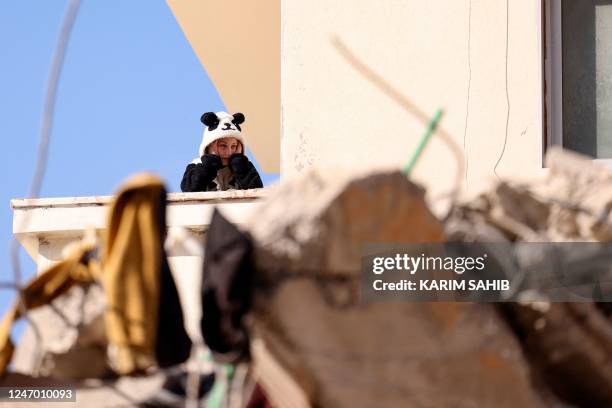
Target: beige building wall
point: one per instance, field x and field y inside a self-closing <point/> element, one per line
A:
<point x="332" y="116"/>
<point x="238" y="44"/>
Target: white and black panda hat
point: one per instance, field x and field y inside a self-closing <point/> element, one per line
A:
<point x="220" y="125"/>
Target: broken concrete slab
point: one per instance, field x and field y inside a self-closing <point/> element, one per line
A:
<point x="341" y="352"/>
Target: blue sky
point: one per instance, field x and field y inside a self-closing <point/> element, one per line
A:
<point x="130" y="98"/>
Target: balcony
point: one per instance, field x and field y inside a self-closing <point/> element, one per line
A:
<point x="45" y="226"/>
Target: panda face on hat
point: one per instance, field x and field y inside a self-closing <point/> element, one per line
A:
<point x="220" y="125"/>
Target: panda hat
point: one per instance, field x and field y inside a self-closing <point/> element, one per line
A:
<point x="220" y="125"/>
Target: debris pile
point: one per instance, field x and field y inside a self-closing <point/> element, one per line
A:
<point x="568" y="345"/>
<point x="314" y="343"/>
<point x="283" y="313"/>
<point x="136" y="322"/>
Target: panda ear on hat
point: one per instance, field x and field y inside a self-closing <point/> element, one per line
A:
<point x="238" y="118"/>
<point x="210" y="119"/>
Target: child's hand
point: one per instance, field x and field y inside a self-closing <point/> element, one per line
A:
<point x="239" y="163"/>
<point x="211" y="162"/>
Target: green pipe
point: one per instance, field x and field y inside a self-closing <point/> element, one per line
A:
<point x="431" y="127"/>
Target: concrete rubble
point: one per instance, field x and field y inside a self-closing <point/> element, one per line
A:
<point x="317" y="337"/>
<point x="73" y="342"/>
<point x="314" y="343"/>
<point x="568" y="345"/>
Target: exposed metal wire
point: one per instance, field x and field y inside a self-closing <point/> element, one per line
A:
<point x="114" y="387"/>
<point x="42" y="154"/>
<point x="382" y="84"/>
<point x="192" y="387"/>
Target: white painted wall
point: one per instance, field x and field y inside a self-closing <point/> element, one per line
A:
<point x="333" y="117"/>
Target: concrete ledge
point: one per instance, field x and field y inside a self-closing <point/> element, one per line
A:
<point x="173" y="198"/>
<point x="45" y="225"/>
<point x="59" y="215"/>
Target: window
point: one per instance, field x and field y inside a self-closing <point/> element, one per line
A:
<point x="579" y="75"/>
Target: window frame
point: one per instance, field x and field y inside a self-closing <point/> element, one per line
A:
<point x="553" y="68"/>
<point x="553" y="77"/>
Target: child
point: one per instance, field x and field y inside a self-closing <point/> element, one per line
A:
<point x="222" y="164"/>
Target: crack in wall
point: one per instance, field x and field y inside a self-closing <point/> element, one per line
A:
<point x="469" y="85"/>
<point x="501" y="155"/>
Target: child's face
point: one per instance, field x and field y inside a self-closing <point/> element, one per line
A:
<point x="225" y="147"/>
